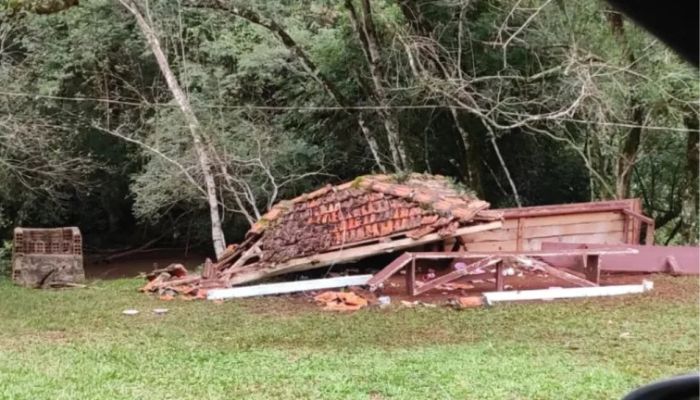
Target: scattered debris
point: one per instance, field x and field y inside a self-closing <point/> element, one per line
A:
<point x="468" y="302"/>
<point x="341" y="301"/>
<point x="384" y="301"/>
<point x="411" y="304"/>
<point x="454" y="286"/>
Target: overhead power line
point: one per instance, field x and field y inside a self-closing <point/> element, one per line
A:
<point x="314" y="108"/>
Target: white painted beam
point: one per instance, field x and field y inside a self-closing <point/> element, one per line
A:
<point x="287" y="287"/>
<point x="566" y="293"/>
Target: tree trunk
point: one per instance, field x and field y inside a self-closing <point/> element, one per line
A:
<point x="691" y="200"/>
<point x="306" y="62"/>
<point x="369" y="43"/>
<point x="421" y="26"/>
<point x="205" y="164"/>
<point x="628" y="157"/>
<point x="628" y="154"/>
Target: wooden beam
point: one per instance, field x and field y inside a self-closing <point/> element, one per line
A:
<point x="564" y="209"/>
<point x="672" y="264"/>
<point x="245" y="274"/>
<point x="390" y="270"/>
<point x="591" y="267"/>
<point x="499" y="276"/>
<point x="530" y="253"/>
<point x="565" y="276"/>
<point x="411" y="278"/>
<point x="456" y="274"/>
<point x="638" y="216"/>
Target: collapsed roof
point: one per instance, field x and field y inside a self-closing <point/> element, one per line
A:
<point x="367" y="216"/>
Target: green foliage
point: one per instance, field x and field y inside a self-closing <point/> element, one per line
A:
<point x="5" y="258"/>
<point x="113" y="189"/>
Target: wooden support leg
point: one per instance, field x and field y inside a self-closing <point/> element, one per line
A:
<point x="591" y="268"/>
<point x="499" y="276"/>
<point x="411" y="278"/>
<point x="672" y="266"/>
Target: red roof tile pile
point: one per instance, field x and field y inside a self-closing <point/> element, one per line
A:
<point x="370" y="209"/>
<point x="364" y="210"/>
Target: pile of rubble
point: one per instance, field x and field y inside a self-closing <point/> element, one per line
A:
<point x="371" y="215"/>
<point x="175" y="280"/>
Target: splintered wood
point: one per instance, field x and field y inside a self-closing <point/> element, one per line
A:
<point x="174" y="280"/>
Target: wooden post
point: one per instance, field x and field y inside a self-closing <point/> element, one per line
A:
<point x="649" y="240"/>
<point x="519" y="235"/>
<point x="411" y="277"/>
<point x="499" y="276"/>
<point x="591" y="267"/>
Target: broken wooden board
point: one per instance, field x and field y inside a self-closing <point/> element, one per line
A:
<point x="287" y="287"/>
<point x="254" y="272"/>
<point x="647" y="259"/>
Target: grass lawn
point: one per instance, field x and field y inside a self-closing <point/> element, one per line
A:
<point x="76" y="344"/>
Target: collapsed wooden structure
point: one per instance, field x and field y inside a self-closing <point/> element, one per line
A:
<point x="379" y="214"/>
<point x="466" y="266"/>
<point x="371" y="215"/>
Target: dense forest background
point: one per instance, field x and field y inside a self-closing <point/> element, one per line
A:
<point x="154" y="121"/>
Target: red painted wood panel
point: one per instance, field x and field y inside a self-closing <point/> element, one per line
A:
<point x="649" y="258"/>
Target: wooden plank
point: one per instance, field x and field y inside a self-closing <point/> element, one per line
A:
<point x="253" y="272"/>
<point x="499" y="276"/>
<point x="538" y="253"/>
<point x="545" y="231"/>
<point x="287" y="287"/>
<point x="574" y="208"/>
<point x="565" y="276"/>
<point x="649" y="239"/>
<point x="411" y="278"/>
<point x="456" y="274"/>
<point x="606" y="238"/>
<point x="491" y="236"/>
<point x="393" y="267"/>
<point x="599" y="227"/>
<point x="508" y="245"/>
<point x="612" y="238"/>
<point x="573" y="219"/>
<point x="519" y="234"/>
<point x="648" y="258"/>
<point x="672" y="264"/>
<point x="591" y="267"/>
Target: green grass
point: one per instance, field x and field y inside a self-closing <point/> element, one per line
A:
<point x="76" y="344"/>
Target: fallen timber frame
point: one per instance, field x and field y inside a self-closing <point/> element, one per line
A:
<point x="590" y="257"/>
<point x="253" y="271"/>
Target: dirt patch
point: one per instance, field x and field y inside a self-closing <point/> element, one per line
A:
<point x="130" y="267"/>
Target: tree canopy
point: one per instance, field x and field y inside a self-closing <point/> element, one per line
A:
<point x="523" y="102"/>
